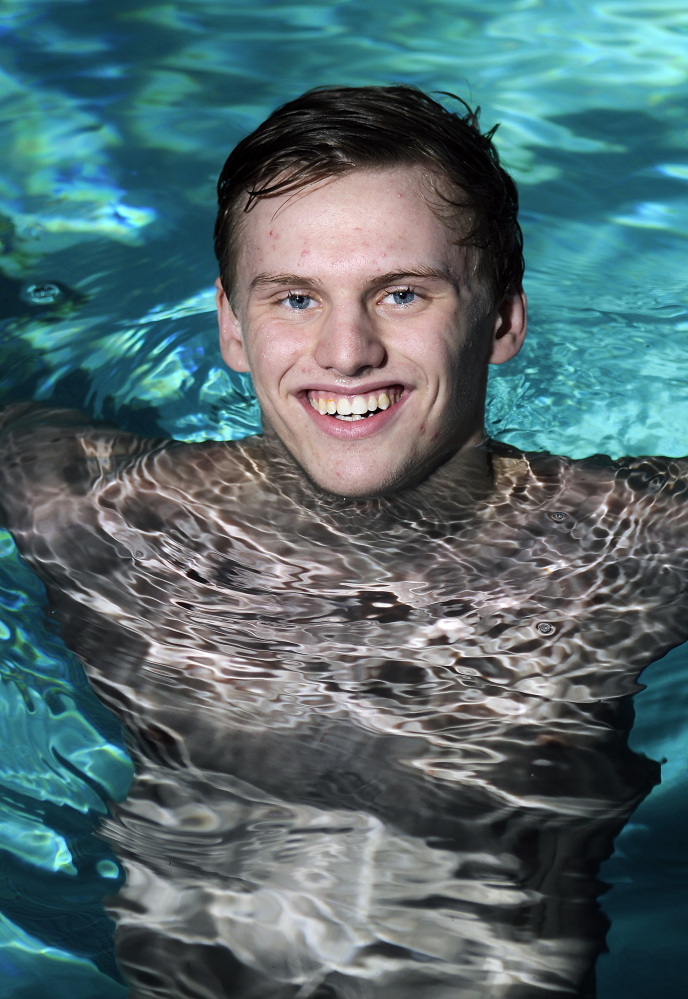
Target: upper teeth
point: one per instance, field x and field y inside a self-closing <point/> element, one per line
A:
<point x="353" y="406"/>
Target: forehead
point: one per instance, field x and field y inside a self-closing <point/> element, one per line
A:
<point x="385" y="215"/>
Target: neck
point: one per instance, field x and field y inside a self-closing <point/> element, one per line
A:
<point x="456" y="486"/>
<point x="452" y="490"/>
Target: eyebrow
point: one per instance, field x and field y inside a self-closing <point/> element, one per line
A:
<point x="302" y="280"/>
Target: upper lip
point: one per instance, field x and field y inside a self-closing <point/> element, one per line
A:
<point x="354" y="389"/>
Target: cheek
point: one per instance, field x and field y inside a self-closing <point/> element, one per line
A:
<point x="435" y="354"/>
<point x="454" y="367"/>
<point x="273" y="350"/>
<point x="469" y="349"/>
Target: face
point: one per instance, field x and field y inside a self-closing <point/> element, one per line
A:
<point x="365" y="332"/>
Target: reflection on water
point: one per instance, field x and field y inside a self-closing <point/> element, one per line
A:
<point x="114" y="118"/>
<point x="381" y="746"/>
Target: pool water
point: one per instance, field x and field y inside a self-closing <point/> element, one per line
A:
<point x="115" y="117"/>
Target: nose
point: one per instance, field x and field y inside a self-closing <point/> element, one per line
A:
<point x="348" y="342"/>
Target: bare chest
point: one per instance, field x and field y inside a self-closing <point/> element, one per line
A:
<point x="536" y="604"/>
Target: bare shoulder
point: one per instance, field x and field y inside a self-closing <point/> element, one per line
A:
<point x="655" y="490"/>
<point x="54" y="460"/>
<point x="36" y="435"/>
<point x="649" y="487"/>
<point x="648" y="493"/>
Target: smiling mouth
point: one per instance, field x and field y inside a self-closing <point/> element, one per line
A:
<point x="354" y="407"/>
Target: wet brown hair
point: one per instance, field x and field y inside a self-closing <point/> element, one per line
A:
<point x="331" y="131"/>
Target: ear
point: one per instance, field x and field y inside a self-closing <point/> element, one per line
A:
<point x="510" y="326"/>
<point x="231" y="338"/>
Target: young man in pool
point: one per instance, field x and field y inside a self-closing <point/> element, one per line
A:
<point x="375" y="669"/>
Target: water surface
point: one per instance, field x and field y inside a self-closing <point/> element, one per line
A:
<point x="115" y="118"/>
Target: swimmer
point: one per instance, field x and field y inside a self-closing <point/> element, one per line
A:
<point x="375" y="669"/>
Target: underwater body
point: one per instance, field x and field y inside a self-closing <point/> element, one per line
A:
<point x="114" y="120"/>
<point x="381" y="745"/>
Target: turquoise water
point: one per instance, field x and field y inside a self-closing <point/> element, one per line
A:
<point x="114" y="120"/>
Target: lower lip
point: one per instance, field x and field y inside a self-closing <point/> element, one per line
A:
<point x="353" y="430"/>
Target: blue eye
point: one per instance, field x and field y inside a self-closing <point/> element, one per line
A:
<point x="404" y="297"/>
<point x="299" y="302"/>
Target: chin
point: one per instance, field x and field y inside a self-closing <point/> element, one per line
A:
<point x="368" y="484"/>
<point x="359" y="491"/>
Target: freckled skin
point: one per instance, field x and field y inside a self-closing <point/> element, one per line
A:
<point x="377" y="690"/>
